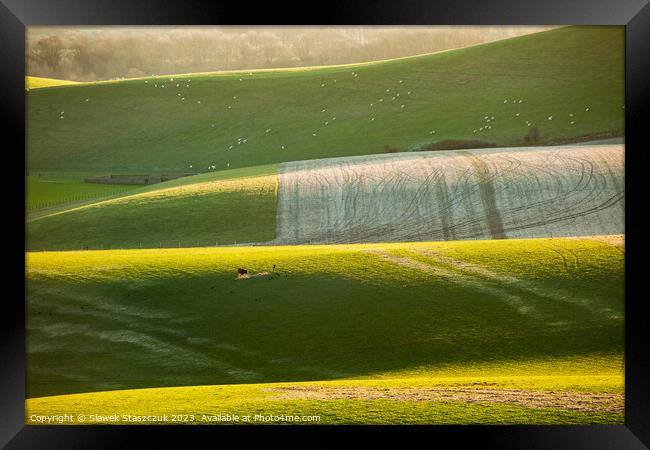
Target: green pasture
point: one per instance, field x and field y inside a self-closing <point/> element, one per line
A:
<point x="241" y="119"/>
<point x="45" y="193"/>
<point x="112" y="320"/>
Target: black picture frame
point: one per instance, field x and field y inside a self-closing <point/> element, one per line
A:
<point x="15" y="15"/>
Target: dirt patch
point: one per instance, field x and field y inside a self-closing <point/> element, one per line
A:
<point x="575" y="401"/>
<point x="246" y="276"/>
<point x="466" y="78"/>
<point x="612" y="239"/>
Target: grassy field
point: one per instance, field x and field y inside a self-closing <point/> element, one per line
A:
<point x="39" y="82"/>
<point x="223" y="207"/>
<point x="543" y="314"/>
<point x="47" y="192"/>
<point x="235" y="120"/>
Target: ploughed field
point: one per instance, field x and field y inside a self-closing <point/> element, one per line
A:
<point x="419" y="196"/>
<point x="453" y="195"/>
<point x="495" y="331"/>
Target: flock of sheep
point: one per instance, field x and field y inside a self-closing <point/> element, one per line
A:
<point x="391" y="95"/>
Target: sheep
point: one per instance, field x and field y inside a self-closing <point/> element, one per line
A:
<point x="268" y="130"/>
<point x="313" y="134"/>
<point x="402" y="106"/>
<point x="372" y="119"/>
<point x="550" y="117"/>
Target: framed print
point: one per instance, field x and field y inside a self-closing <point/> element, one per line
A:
<point x="384" y="216"/>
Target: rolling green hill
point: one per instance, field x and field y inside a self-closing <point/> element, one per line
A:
<point x="235" y="120"/>
<point x="223" y="207"/>
<point x="105" y="320"/>
<point x="532" y="330"/>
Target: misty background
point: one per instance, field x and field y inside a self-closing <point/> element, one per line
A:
<point x="91" y="53"/>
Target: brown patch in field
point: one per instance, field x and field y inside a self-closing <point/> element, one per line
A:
<point x="246" y="276"/>
<point x="612" y="239"/>
<point x="466" y="78"/>
<point x="575" y="401"/>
